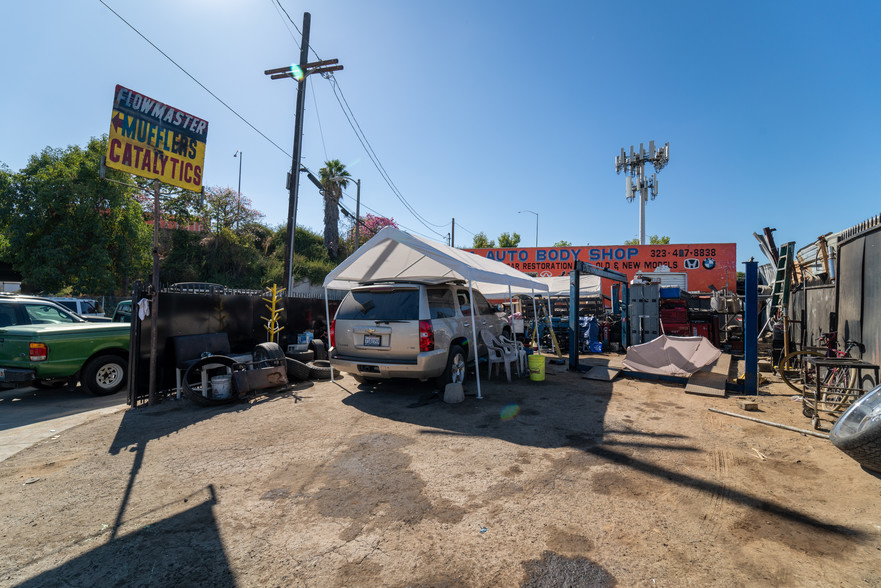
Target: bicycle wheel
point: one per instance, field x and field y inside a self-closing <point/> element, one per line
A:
<point x="792" y="369"/>
<point x="836" y="397"/>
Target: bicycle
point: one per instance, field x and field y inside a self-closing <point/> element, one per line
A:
<point x="793" y="367"/>
<point x="836" y="391"/>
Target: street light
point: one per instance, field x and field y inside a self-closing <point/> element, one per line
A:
<point x="536" y="223"/>
<point x="241" y="156"/>
<point x="339" y="179"/>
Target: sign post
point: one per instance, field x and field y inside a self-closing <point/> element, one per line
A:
<point x="156" y="141"/>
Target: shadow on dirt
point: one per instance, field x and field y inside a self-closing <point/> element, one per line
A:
<point x="25" y="406"/>
<point x="545" y="415"/>
<point x="145" y="557"/>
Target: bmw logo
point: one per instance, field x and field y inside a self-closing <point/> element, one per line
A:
<point x="691" y="263"/>
<point x="709" y="263"/>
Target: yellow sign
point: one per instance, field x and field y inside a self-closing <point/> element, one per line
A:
<point x="153" y="140"/>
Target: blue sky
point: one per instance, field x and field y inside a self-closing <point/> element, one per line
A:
<point x="477" y="110"/>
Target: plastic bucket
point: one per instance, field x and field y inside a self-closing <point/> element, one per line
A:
<point x="221" y="386"/>
<point x="536" y="367"/>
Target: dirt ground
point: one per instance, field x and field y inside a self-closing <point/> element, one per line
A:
<point x="566" y="482"/>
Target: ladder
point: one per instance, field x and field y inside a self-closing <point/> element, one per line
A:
<point x="780" y="292"/>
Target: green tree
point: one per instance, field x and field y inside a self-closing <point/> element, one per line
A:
<point x="310" y="259"/>
<point x="334" y="178"/>
<point x="66" y="228"/>
<point x="231" y="247"/>
<point x="506" y="240"/>
<point x="481" y="241"/>
<point x="565" y="244"/>
<point x="653" y="240"/>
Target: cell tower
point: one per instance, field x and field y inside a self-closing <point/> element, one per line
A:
<point x="637" y="182"/>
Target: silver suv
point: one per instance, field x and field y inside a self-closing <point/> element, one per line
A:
<point x="418" y="329"/>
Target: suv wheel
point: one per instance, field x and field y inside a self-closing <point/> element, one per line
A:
<point x="455" y="371"/>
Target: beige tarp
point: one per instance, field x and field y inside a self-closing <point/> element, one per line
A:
<point x="671" y="356"/>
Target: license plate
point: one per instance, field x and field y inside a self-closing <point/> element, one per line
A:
<point x="372" y="340"/>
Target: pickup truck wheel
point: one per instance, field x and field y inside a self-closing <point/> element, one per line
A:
<point x="105" y="375"/>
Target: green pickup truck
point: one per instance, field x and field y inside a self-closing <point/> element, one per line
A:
<point x="44" y="345"/>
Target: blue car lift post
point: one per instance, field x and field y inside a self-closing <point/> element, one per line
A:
<point x="575" y="302"/>
<point x="751" y="329"/>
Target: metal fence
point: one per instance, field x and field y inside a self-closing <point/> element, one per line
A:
<point x="851" y="305"/>
<point x="241" y="314"/>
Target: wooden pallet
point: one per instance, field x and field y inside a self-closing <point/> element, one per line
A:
<point x="710" y="380"/>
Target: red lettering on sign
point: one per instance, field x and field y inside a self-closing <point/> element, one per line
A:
<point x="114" y="145"/>
<point x="127" y="155"/>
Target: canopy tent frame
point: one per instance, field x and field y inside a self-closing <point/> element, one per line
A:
<point x="396" y="255"/>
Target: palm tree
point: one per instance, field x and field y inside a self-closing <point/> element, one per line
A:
<point x="334" y="177"/>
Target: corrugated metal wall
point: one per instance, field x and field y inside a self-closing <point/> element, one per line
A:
<point x="810" y="311"/>
<point x="852" y="307"/>
<point x="859" y="287"/>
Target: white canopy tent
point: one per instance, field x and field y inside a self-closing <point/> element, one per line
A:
<point x="393" y="254"/>
<point x="557" y="286"/>
<point x="589" y="285"/>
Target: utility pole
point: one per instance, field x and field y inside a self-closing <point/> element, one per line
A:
<point x="453" y="234"/>
<point x="298" y="72"/>
<point x="637" y="182"/>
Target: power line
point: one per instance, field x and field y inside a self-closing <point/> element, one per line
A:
<point x="230" y="108"/>
<point x="318" y="118"/>
<point x="365" y="144"/>
<point x="362" y="138"/>
<point x="459" y="226"/>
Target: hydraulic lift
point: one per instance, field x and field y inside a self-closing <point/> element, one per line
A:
<point x="620" y="295"/>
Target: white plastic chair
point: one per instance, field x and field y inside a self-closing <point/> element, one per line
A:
<point x="498" y="353"/>
<point x="519" y="351"/>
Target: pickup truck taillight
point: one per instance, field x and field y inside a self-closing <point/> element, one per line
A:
<point x="39" y="351"/>
<point x="426" y="336"/>
<point x="332" y="334"/>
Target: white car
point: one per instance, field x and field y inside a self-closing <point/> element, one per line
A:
<point x="85" y="307"/>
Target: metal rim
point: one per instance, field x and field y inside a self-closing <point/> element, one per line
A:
<point x="457" y="369"/>
<point x="109" y="376"/>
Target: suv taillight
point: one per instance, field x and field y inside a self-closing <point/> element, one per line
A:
<point x="426" y="336"/>
<point x="332" y="334"/>
<point x="39" y="351"/>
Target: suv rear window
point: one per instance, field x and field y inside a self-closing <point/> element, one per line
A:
<point x="380" y="304"/>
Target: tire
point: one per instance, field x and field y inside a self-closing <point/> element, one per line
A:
<point x="317" y="346"/>
<point x="858" y="432"/>
<point x="790" y="369"/>
<point x="192" y="381"/>
<point x="105" y="375"/>
<point x="301" y="356"/>
<point x="320" y="370"/>
<point x="297" y="370"/>
<point x="455" y="371"/>
<point x="268" y="354"/>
